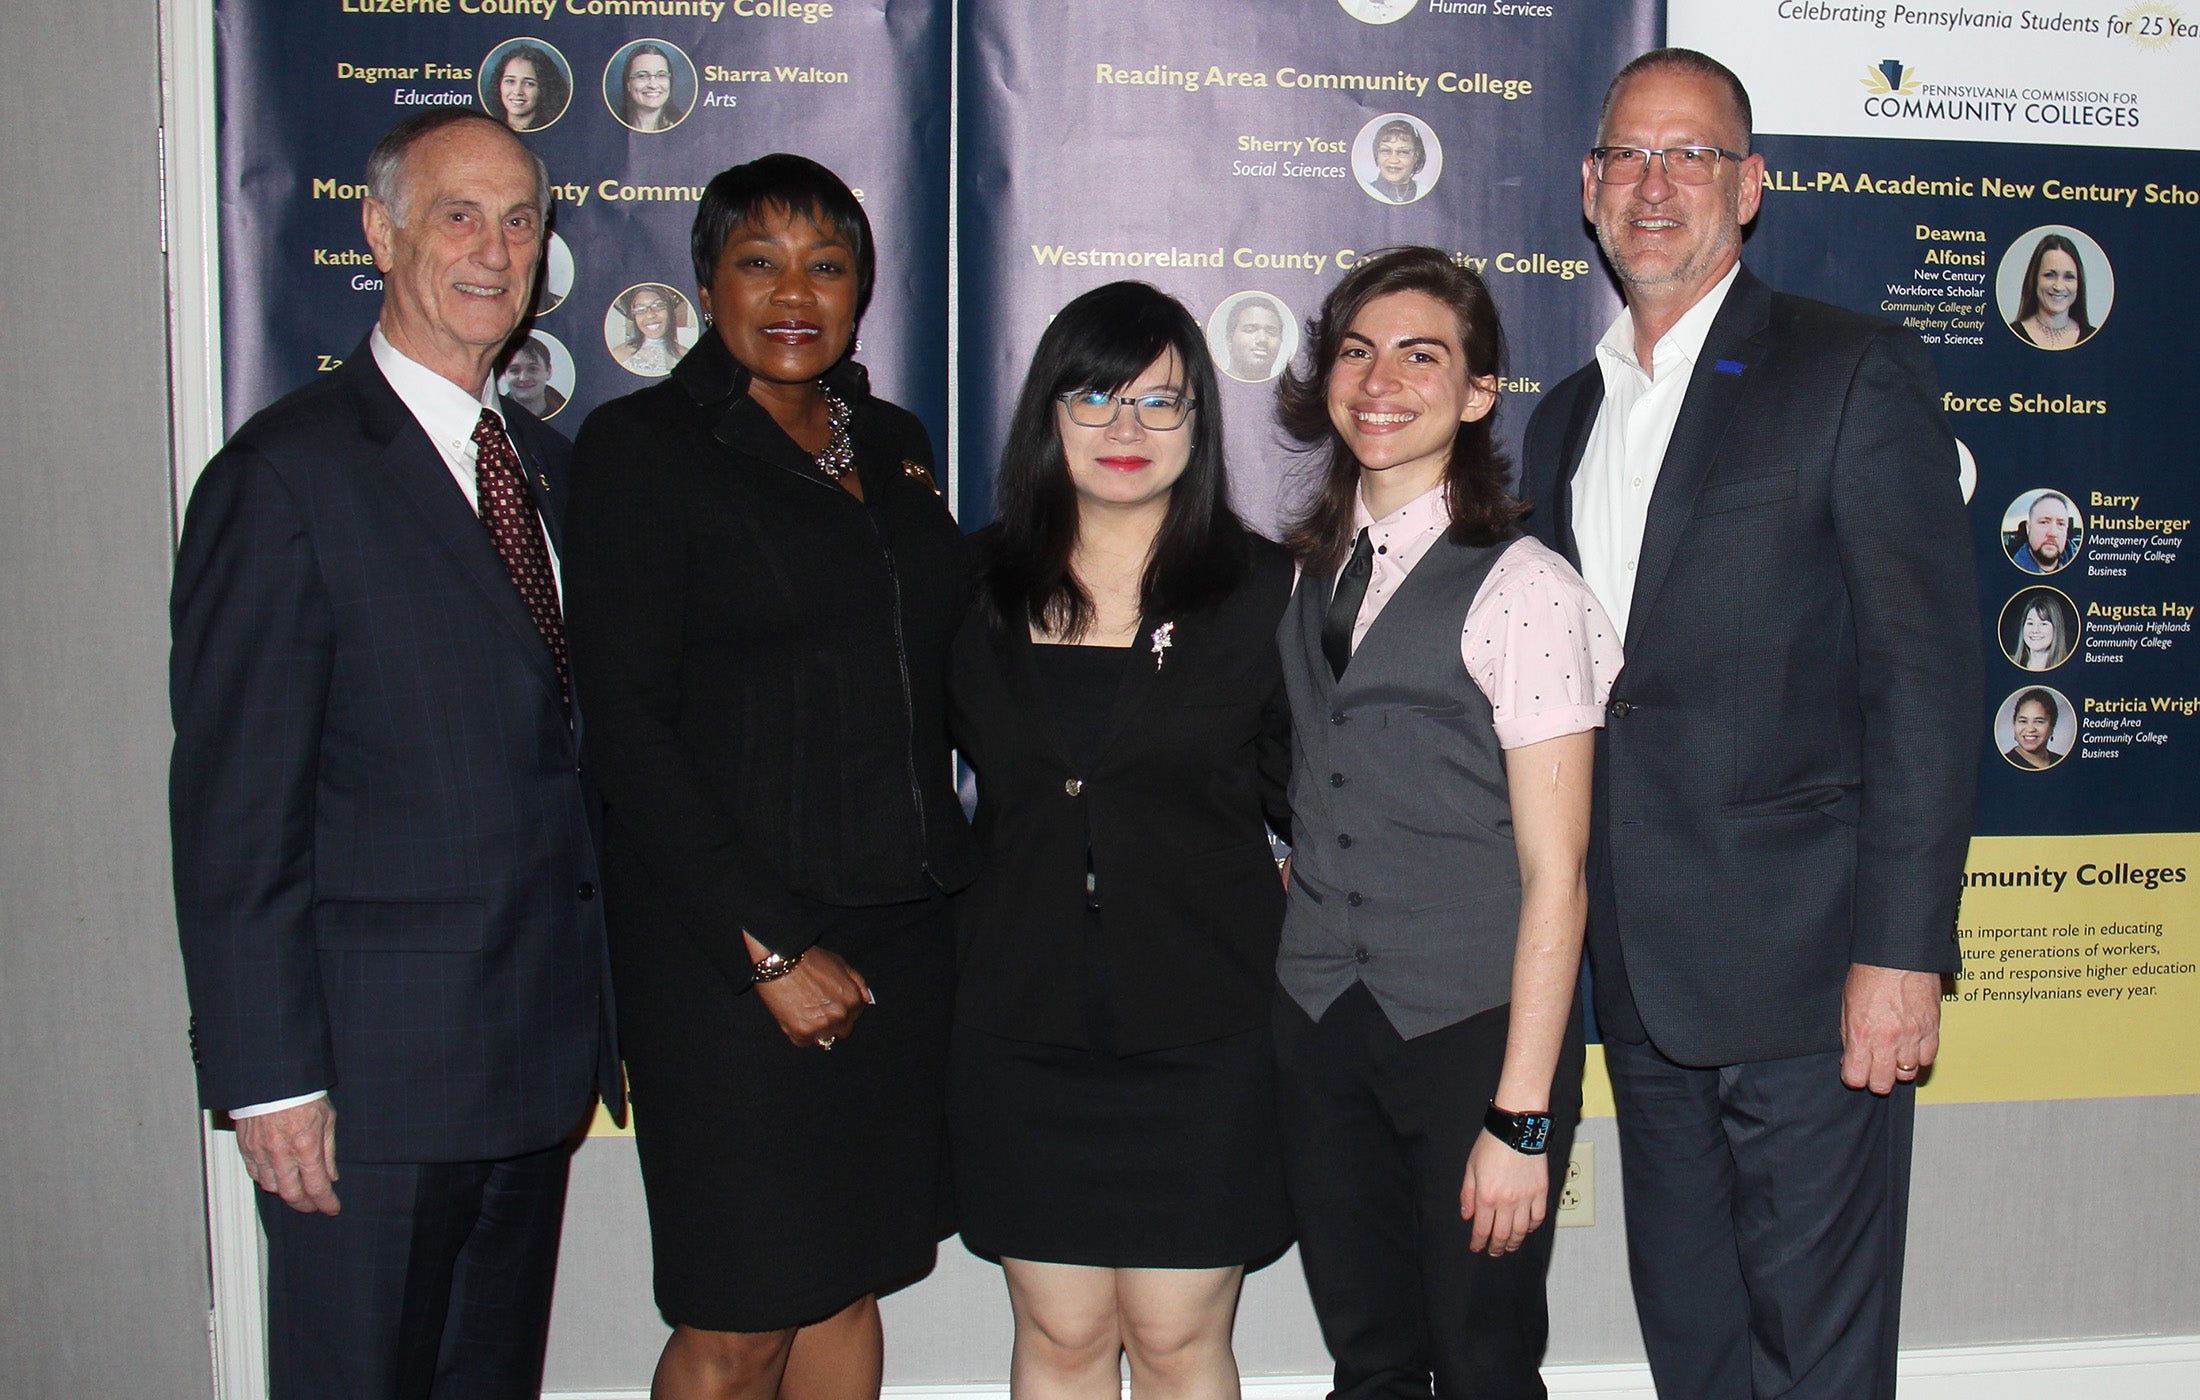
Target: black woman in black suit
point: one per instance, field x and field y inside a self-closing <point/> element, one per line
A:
<point x="763" y="586"/>
<point x="1118" y="694"/>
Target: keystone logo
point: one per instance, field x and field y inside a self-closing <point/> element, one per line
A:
<point x="1889" y="78"/>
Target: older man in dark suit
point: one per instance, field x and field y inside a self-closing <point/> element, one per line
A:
<point x="1762" y="492"/>
<point x="384" y="858"/>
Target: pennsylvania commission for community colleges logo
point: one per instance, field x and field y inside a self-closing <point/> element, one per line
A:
<point x="1894" y="92"/>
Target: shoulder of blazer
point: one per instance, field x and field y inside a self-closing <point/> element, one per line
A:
<point x="328" y="412"/>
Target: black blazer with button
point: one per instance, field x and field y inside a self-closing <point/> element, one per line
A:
<point x="1192" y="772"/>
<point x="765" y="660"/>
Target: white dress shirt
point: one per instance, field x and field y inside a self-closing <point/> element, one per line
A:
<point x="1619" y="468"/>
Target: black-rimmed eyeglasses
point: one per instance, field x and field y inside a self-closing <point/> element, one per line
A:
<point x="1684" y="165"/>
<point x="1157" y="413"/>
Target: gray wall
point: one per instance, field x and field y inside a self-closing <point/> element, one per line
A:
<point x="2032" y="1221"/>
<point x="102" y="1258"/>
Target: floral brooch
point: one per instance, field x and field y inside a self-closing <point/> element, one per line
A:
<point x="1163" y="637"/>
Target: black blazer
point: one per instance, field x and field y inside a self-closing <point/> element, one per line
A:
<point x="384" y="863"/>
<point x="1784" y="783"/>
<point x="1193" y="771"/>
<point x="765" y="659"/>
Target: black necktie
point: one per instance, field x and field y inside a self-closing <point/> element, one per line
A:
<point x="1344" y="605"/>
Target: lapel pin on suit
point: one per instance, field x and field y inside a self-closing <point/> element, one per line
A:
<point x="1163" y="637"/>
<point x="1730" y="366"/>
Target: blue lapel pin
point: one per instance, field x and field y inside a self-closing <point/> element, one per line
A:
<point x="1730" y="366"/>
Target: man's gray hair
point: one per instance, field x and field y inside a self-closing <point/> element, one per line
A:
<point x="386" y="163"/>
<point x="1678" y="60"/>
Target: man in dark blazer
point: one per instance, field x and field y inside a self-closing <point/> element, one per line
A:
<point x="384" y="859"/>
<point x="1763" y="493"/>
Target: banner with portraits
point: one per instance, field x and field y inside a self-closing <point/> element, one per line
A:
<point x="1242" y="156"/>
<point x="2018" y="183"/>
<point x="633" y="105"/>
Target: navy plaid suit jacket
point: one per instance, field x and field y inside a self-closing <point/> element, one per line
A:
<point x="1784" y="783"/>
<point x="385" y="861"/>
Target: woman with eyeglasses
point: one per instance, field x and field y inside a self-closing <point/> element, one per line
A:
<point x="655" y="315"/>
<point x="645" y="88"/>
<point x="1117" y="692"/>
<point x="1400" y="156"/>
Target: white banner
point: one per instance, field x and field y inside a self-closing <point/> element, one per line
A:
<point x="2073" y="74"/>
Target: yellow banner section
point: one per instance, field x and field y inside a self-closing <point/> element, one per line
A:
<point x="2081" y="971"/>
<point x="2081" y="975"/>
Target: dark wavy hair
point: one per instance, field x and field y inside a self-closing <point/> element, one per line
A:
<point x="552" y="92"/>
<point x="1103" y="340"/>
<point x="1483" y="509"/>
<point x="797" y="185"/>
<point x="2028" y="296"/>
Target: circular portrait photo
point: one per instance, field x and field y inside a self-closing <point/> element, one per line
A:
<point x="648" y="328"/>
<point x="1397" y="158"/>
<point x="649" y="85"/>
<point x="526" y="84"/>
<point x="2042" y="532"/>
<point x="1378" y="11"/>
<point x="1253" y="336"/>
<point x="2039" y="628"/>
<point x="2054" y="287"/>
<point x="538" y="375"/>
<point x="1966" y="470"/>
<point x="557" y="275"/>
<point x="2036" y="728"/>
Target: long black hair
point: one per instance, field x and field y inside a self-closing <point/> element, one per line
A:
<point x="1483" y="509"/>
<point x="1103" y="340"/>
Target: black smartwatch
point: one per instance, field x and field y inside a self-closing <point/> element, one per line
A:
<point x="1526" y="1133"/>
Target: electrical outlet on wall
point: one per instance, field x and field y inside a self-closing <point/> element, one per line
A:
<point x="1577" y="1199"/>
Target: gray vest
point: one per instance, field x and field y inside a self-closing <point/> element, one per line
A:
<point x="1403" y="872"/>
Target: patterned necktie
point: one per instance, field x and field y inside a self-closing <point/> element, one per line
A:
<point x="1344" y="606"/>
<point x="509" y="513"/>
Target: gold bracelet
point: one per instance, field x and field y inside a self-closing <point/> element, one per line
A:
<point x="772" y="967"/>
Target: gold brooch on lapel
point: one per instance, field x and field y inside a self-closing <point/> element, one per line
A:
<point x="919" y="472"/>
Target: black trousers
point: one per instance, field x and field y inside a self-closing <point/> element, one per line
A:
<point x="432" y="1283"/>
<point x="1767" y="1206"/>
<point x="1376" y="1131"/>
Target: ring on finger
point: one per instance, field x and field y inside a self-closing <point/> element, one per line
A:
<point x="827" y="1042"/>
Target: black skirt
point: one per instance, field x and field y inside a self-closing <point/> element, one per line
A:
<point x="786" y="1182"/>
<point x="1164" y="1160"/>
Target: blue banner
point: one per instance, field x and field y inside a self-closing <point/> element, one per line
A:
<point x="1242" y="156"/>
<point x="633" y="106"/>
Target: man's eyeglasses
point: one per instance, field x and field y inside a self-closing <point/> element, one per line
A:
<point x="1158" y="413"/>
<point x="1684" y="165"/>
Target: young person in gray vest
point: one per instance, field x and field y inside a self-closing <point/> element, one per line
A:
<point x="1445" y="676"/>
